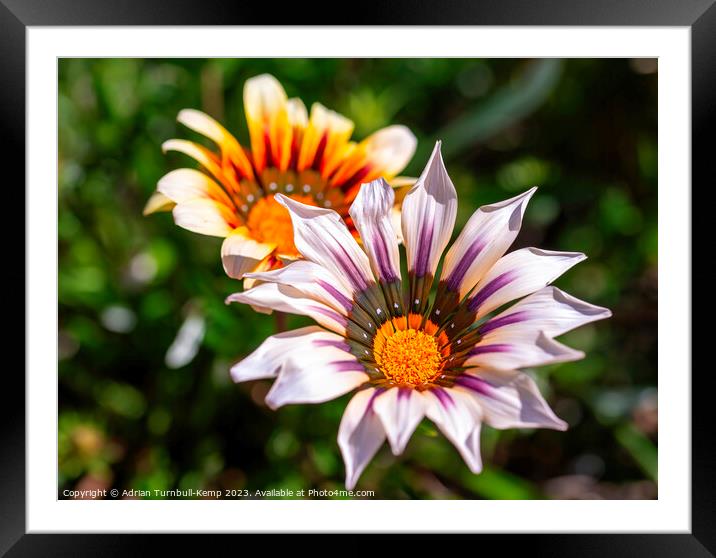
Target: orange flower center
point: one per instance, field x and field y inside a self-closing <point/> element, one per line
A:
<point x="269" y="221"/>
<point x="408" y="352"/>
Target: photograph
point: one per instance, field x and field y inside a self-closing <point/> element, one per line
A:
<point x="357" y="278"/>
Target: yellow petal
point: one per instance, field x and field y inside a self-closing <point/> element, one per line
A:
<point x="206" y="125"/>
<point x="242" y="254"/>
<point x="267" y="264"/>
<point x="182" y="185"/>
<point x="156" y="203"/>
<point x="205" y="216"/>
<point x="327" y="132"/>
<point x="265" y="103"/>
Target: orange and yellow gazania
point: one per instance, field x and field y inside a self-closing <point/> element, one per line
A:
<point x="310" y="159"/>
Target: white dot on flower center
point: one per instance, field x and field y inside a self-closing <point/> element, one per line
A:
<point x="437" y="312"/>
<point x="250" y="198"/>
<point x="273" y="186"/>
<point x="306" y="187"/>
<point x="395" y="305"/>
<point x="244" y="207"/>
<point x="289" y="187"/>
<point x="417" y="301"/>
<point x="378" y="311"/>
<point x="328" y="203"/>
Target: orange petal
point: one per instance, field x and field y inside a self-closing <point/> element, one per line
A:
<point x="382" y="154"/>
<point x="298" y="120"/>
<point x="324" y="140"/>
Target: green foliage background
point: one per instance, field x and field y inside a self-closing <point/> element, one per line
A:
<point x="583" y="130"/>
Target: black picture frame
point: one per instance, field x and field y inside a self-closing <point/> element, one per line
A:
<point x="16" y="15"/>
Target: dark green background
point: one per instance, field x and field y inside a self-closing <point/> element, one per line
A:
<point x="582" y="130"/>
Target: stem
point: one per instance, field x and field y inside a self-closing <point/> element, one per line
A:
<point x="280" y="318"/>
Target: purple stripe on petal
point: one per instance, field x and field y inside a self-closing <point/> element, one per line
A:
<point x="424" y="245"/>
<point x="403" y="393"/>
<point x="332" y="343"/>
<point x="332" y="314"/>
<point x="444" y="397"/>
<point x="491" y="288"/>
<point x="494" y="323"/>
<point x="351" y="269"/>
<point x="475" y="384"/>
<point x="369" y="406"/>
<point x="383" y="260"/>
<point x="458" y="274"/>
<point x="347" y="366"/>
<point x="335" y="293"/>
<point x="494" y="348"/>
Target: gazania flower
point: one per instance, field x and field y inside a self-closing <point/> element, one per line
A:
<point x="307" y="159"/>
<point x="453" y="357"/>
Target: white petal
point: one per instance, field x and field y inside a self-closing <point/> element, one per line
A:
<point x="182" y="185"/>
<point x="241" y="254"/>
<point x="297" y="114"/>
<point x="360" y="434"/>
<point x="313" y="281"/>
<point x="267" y="297"/>
<point x="400" y="410"/>
<point x="428" y="216"/>
<point x="458" y="416"/>
<point x="395" y="219"/>
<point x="267" y="360"/>
<point x="205" y="217"/>
<point x="391" y="149"/>
<point x="509" y="399"/>
<point x="203" y="156"/>
<point x="484" y="239"/>
<point x="549" y="310"/>
<point x="317" y="375"/>
<point x="322" y="237"/>
<point x="206" y="125"/>
<point x="517" y="274"/>
<point x="371" y="212"/>
<point x="510" y="350"/>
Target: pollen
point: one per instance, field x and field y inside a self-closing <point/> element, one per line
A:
<point x="408" y="352"/>
<point x="269" y="221"/>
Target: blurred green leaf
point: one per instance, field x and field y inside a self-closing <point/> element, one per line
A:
<point x="503" y="108"/>
<point x="640" y="448"/>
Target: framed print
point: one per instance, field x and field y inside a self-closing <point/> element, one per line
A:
<point x="427" y="273"/>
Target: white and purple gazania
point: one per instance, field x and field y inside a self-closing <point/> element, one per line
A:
<point x="452" y="357"/>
